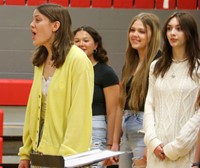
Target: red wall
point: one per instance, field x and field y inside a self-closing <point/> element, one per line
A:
<point x="139" y="4"/>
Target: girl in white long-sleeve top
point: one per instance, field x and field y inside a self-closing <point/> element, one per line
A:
<point x="172" y="117"/>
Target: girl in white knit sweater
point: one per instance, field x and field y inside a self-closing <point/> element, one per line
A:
<point x="171" y="118"/>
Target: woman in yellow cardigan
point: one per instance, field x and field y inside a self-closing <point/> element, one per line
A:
<point x="59" y="116"/>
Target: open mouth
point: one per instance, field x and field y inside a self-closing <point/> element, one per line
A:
<point x="33" y="34"/>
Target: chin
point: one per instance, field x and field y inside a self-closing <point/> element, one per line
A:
<point x="36" y="44"/>
<point x="135" y="46"/>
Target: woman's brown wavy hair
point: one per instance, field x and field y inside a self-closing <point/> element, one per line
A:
<point x="63" y="37"/>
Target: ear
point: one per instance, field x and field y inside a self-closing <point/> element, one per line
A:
<point x="95" y="46"/>
<point x="56" y="26"/>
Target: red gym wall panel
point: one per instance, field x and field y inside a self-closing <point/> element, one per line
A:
<point x="199" y="4"/>
<point x="80" y="3"/>
<point x="15" y="2"/>
<point x="187" y="4"/>
<point x="1" y="149"/>
<point x="1" y="122"/>
<point x="144" y="4"/>
<point x="123" y="4"/>
<point x="1" y="2"/>
<point x="35" y="2"/>
<point x="165" y="4"/>
<point x="101" y="3"/>
<point x="14" y="92"/>
<point x="60" y="2"/>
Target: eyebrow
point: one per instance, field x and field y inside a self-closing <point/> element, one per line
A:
<point x="36" y="15"/>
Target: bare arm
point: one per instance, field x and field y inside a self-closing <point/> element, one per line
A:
<point x="118" y="129"/>
<point x="112" y="98"/>
<point x="116" y="135"/>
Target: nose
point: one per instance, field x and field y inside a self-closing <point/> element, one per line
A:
<point x="173" y="31"/>
<point x="78" y="43"/>
<point x="31" y="24"/>
<point x="135" y="33"/>
<point x="81" y="43"/>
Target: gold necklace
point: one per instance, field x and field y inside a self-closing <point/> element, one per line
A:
<point x="179" y="61"/>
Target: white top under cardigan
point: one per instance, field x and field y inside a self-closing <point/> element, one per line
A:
<point x="170" y="117"/>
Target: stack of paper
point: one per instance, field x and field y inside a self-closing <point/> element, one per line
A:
<point x="77" y="160"/>
<point x="90" y="157"/>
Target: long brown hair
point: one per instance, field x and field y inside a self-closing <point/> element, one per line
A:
<point x="63" y="37"/>
<point x="138" y="89"/>
<point x="189" y="27"/>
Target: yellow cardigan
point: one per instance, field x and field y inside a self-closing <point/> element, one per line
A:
<point x="68" y="116"/>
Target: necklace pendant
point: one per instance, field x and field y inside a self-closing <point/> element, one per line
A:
<point x="173" y="76"/>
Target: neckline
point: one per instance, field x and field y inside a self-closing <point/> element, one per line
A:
<point x="179" y="61"/>
<point x="95" y="63"/>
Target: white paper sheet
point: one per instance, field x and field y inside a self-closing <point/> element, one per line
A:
<point x="89" y="157"/>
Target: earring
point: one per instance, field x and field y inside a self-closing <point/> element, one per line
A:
<point x="95" y="51"/>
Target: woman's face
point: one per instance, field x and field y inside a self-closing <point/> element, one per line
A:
<point x="43" y="31"/>
<point x="139" y="36"/>
<point x="175" y="34"/>
<point x="85" y="41"/>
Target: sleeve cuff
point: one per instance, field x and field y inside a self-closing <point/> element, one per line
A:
<point x="24" y="157"/>
<point x="153" y="144"/>
<point x="169" y="152"/>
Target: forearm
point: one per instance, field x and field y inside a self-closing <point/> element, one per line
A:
<point x="186" y="139"/>
<point x="118" y="127"/>
<point x="110" y="127"/>
<point x="112" y="99"/>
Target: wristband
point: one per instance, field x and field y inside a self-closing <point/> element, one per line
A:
<point x="108" y="145"/>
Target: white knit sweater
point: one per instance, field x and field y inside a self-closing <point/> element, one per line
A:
<point x="170" y="117"/>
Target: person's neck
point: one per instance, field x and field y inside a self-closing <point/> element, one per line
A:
<point x="93" y="61"/>
<point x="142" y="54"/>
<point x="179" y="55"/>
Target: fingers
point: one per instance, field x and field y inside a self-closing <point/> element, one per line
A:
<point x="159" y="152"/>
<point x="161" y="156"/>
<point x="110" y="161"/>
